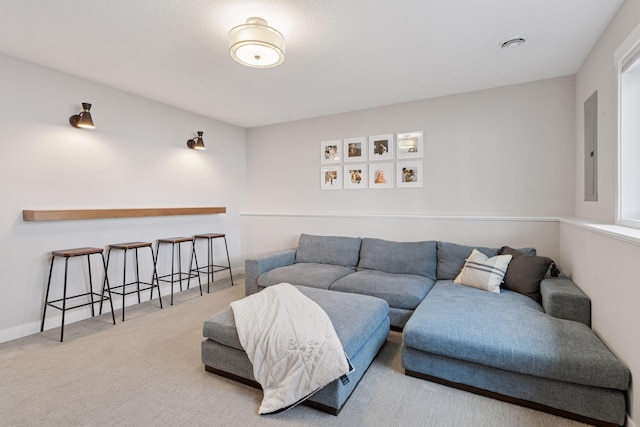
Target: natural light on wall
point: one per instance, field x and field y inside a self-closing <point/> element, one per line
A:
<point x="629" y="145"/>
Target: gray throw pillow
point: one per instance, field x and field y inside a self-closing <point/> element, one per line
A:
<point x="399" y="257"/>
<point x="329" y="250"/>
<point x="525" y="272"/>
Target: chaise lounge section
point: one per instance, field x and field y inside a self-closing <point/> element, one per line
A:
<point x="509" y="346"/>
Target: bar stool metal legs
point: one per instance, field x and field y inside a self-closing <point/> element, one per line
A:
<point x="122" y="289"/>
<point x="70" y="253"/>
<point x="173" y="241"/>
<point x="211" y="268"/>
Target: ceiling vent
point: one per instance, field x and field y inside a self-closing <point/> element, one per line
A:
<point x="513" y="42"/>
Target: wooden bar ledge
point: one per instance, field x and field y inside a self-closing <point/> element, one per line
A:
<point x="74" y="214"/>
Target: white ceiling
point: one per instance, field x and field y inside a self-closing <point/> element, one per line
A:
<point x="342" y="55"/>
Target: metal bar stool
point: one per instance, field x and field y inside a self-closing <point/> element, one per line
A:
<point x="173" y="241"/>
<point x="210" y="267"/>
<point x="70" y="253"/>
<point x="122" y="289"/>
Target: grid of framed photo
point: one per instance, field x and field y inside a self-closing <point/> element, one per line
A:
<point x="410" y="145"/>
<point x="331" y="178"/>
<point x="330" y="151"/>
<point x="355" y="176"/>
<point x="355" y="149"/>
<point x="409" y="174"/>
<point x="375" y="162"/>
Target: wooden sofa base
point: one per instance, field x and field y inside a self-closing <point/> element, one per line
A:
<point x="254" y="384"/>
<point x="513" y="400"/>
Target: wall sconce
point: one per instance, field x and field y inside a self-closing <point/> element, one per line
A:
<point x="82" y="120"/>
<point x="196" y="143"/>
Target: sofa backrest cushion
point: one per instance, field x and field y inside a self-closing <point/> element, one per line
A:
<point x="452" y="256"/>
<point x="399" y="257"/>
<point x="329" y="250"/>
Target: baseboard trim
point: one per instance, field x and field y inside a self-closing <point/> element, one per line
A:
<point x="54" y="317"/>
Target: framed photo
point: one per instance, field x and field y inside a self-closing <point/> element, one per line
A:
<point x="330" y="151"/>
<point x="409" y="174"/>
<point x="381" y="175"/>
<point x="355" y="176"/>
<point x="410" y="145"/>
<point x="381" y="147"/>
<point x="355" y="149"/>
<point x="331" y="178"/>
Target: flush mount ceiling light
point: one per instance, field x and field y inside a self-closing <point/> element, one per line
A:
<point x="196" y="143"/>
<point x="82" y="120"/>
<point x="255" y="44"/>
<point x="513" y="42"/>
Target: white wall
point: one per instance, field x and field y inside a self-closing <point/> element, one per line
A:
<point x="603" y="266"/>
<point x="606" y="269"/>
<point x="598" y="73"/>
<point x="136" y="157"/>
<point x="505" y="151"/>
<point x="497" y="163"/>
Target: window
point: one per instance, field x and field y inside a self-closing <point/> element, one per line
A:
<point x="629" y="141"/>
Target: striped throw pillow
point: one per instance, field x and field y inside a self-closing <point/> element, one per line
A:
<point x="482" y="272"/>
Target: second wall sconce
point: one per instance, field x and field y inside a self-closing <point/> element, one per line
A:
<point x="196" y="143"/>
<point x="82" y="120"/>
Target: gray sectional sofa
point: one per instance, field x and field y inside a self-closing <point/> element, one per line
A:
<point x="537" y="351"/>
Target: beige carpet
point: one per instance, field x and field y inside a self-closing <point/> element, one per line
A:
<point x="147" y="372"/>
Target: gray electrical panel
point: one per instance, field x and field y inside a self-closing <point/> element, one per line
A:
<point x="591" y="148"/>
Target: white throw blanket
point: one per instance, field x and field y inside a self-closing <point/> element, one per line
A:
<point x="292" y="344"/>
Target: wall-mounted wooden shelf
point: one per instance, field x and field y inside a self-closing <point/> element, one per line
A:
<point x="74" y="214"/>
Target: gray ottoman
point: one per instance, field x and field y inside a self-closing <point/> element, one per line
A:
<point x="361" y="322"/>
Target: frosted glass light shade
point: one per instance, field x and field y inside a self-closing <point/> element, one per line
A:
<point x="255" y="44"/>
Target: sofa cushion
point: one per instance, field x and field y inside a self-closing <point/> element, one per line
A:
<point x="355" y="318"/>
<point x="510" y="331"/>
<point x="482" y="272"/>
<point x="399" y="257"/>
<point x="304" y="274"/>
<point x="452" y="256"/>
<point x="328" y="250"/>
<point x="404" y="291"/>
<point x="525" y="272"/>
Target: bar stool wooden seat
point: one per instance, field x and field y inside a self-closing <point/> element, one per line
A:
<point x="210" y="267"/>
<point x="139" y="285"/>
<point x="101" y="297"/>
<point x="180" y="274"/>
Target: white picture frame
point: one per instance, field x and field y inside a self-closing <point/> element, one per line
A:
<point x="355" y="176"/>
<point x="410" y="145"/>
<point x="381" y="147"/>
<point x="355" y="149"/>
<point x="410" y="174"/>
<point x="331" y="151"/>
<point x="381" y="175"/>
<point x="331" y="178"/>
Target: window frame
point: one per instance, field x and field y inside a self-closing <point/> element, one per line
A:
<point x="626" y="54"/>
